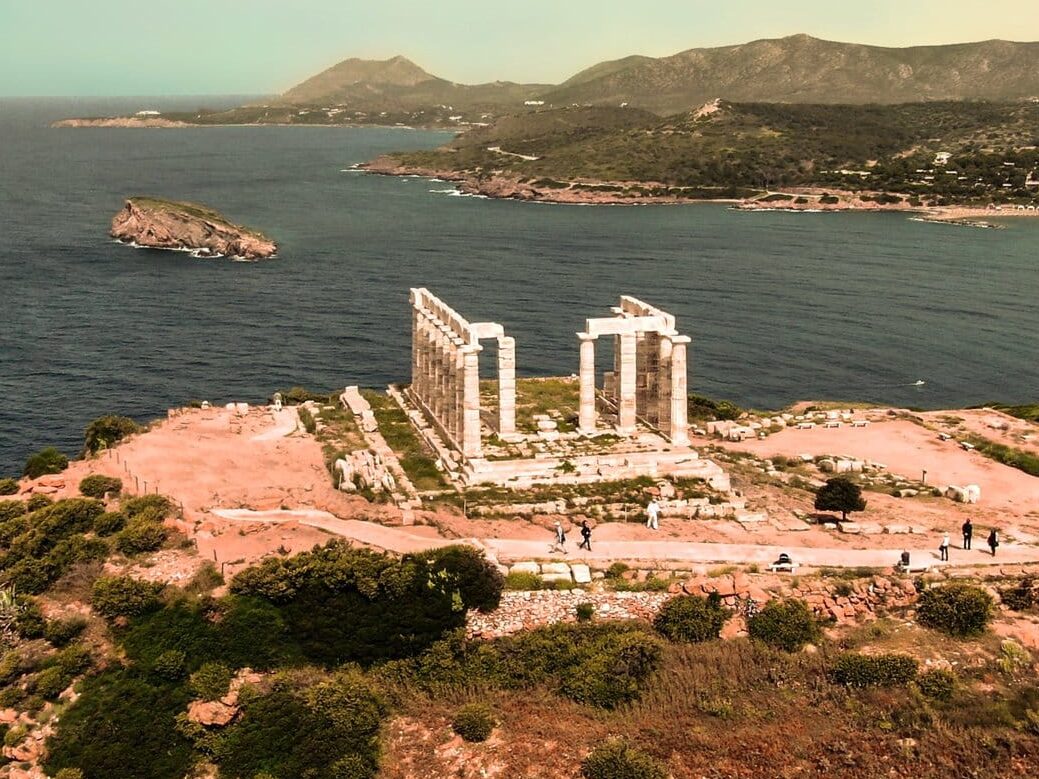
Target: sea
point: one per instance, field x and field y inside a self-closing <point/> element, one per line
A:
<point x="780" y="306"/>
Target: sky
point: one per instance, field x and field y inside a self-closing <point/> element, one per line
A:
<point x="198" y="47"/>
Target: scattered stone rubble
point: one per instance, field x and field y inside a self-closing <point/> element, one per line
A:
<point x="223" y="711"/>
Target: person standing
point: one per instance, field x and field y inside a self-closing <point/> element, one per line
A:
<point x="559" y="544"/>
<point x="993" y="541"/>
<point x="943" y="548"/>
<point x="653" y="515"/>
<point x="968" y="533"/>
<point x="586" y="536"/>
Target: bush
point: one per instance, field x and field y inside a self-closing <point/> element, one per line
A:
<point x="211" y="681"/>
<point x="787" y="625"/>
<point x="140" y="535"/>
<point x="123" y="596"/>
<point x="690" y="618"/>
<point x="170" y="665"/>
<point x="31" y="576"/>
<point x="615" y="759"/>
<point x="585" y="611"/>
<point x="37" y="502"/>
<point x="959" y="610"/>
<point x="11" y="509"/>
<point x="328" y="729"/>
<point x="45" y="461"/>
<point x="50" y="682"/>
<point x="617" y="570"/>
<point x="8" y="486"/>
<point x="937" y="684"/>
<point x="109" y="523"/>
<point x="152" y="506"/>
<point x="473" y="722"/>
<point x="612" y="673"/>
<point x="97" y="486"/>
<point x="309" y="423"/>
<point x="29" y="621"/>
<point x="105" y="432"/>
<point x="137" y="718"/>
<point x="69" y="773"/>
<point x="885" y="670"/>
<point x="1020" y="597"/>
<point x="466" y="570"/>
<point x="62" y="631"/>
<point x="521" y="580"/>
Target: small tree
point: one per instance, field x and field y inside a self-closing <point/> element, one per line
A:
<point x="45" y="461"/>
<point x="840" y="494"/>
<point x="690" y="618"/>
<point x="105" y="432"/>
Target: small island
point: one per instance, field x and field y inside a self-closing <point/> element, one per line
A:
<point x="155" y="223"/>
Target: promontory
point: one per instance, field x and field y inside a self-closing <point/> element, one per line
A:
<point x="155" y="223"/>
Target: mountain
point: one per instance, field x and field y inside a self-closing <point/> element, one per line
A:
<point x="399" y="84"/>
<point x="803" y="69"/>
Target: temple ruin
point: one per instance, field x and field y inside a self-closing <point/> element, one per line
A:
<point x="634" y="425"/>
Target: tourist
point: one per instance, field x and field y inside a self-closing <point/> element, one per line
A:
<point x="993" y="541"/>
<point x="653" y="515"/>
<point x="559" y="545"/>
<point x="944" y="548"/>
<point x="586" y="536"/>
<point x="903" y="560"/>
<point x="968" y="533"/>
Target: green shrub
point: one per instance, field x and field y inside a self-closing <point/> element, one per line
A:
<point x="690" y="618"/>
<point x="109" y="523"/>
<point x="37" y="502"/>
<point x="1020" y="597"/>
<point x="938" y="684"/>
<point x="8" y="486"/>
<point x="787" y="625"/>
<point x="473" y="722"/>
<point x="884" y="670"/>
<point x="616" y="759"/>
<point x="123" y="596"/>
<point x="140" y="535"/>
<point x="307" y="419"/>
<point x="466" y="570"/>
<point x="73" y="659"/>
<point x="31" y="576"/>
<point x="50" y="682"/>
<point x="62" y="631"/>
<point x="137" y="718"/>
<point x="211" y="681"/>
<point x="523" y="581"/>
<point x="171" y="665"/>
<point x="328" y="729"/>
<point x="105" y="432"/>
<point x="152" y="506"/>
<point x="958" y="609"/>
<point x="11" y="509"/>
<point x="48" y="460"/>
<point x="617" y="570"/>
<point x="344" y="604"/>
<point x="584" y="611"/>
<point x="29" y="621"/>
<point x="77" y="549"/>
<point x="613" y="673"/>
<point x="69" y="773"/>
<point x="97" y="486"/>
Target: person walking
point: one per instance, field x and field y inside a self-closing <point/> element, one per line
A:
<point x="993" y="541"/>
<point x="653" y="515"/>
<point x="968" y="533"/>
<point x="586" y="536"/>
<point x="943" y="548"/>
<point x="559" y="543"/>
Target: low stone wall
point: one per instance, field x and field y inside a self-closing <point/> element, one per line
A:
<point x="525" y="610"/>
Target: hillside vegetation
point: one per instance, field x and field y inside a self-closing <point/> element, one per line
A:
<point x="991" y="148"/>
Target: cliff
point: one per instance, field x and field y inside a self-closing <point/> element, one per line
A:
<point x="167" y="224"/>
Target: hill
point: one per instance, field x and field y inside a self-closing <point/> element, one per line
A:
<point x="938" y="153"/>
<point x="803" y="69"/>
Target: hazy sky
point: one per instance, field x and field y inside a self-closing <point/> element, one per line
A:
<point x="159" y="47"/>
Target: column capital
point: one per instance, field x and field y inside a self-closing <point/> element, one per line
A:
<point x="587" y="336"/>
<point x="679" y="339"/>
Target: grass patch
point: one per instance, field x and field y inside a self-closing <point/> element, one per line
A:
<point x="400" y="435"/>
<point x="1008" y="455"/>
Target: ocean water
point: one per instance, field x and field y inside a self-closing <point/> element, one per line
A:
<point x="780" y="306"/>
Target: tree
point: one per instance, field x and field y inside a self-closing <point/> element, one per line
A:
<point x="48" y="460"/>
<point x="840" y="494"/>
<point x="105" y="432"/>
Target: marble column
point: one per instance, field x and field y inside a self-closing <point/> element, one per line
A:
<point x="586" y="414"/>
<point x="458" y="387"/>
<point x="626" y="385"/>
<point x="471" y="411"/>
<point x="652" y="349"/>
<point x="416" y="335"/>
<point x="435" y="372"/>
<point x="664" y="385"/>
<point x="679" y="390"/>
<point x="506" y="385"/>
<point x="641" y="375"/>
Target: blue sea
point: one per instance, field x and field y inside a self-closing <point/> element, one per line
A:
<point x="780" y="306"/>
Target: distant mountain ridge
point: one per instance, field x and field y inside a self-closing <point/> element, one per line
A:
<point x="795" y="69"/>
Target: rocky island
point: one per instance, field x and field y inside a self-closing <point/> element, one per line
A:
<point x="155" y="223"/>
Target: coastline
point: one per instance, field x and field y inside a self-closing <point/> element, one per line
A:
<point x="512" y="188"/>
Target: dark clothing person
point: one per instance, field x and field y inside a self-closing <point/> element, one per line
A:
<point x="968" y="533"/>
<point x="586" y="536"/>
<point x="904" y="560"/>
<point x="993" y="541"/>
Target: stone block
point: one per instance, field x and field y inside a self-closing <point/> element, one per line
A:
<point x="853" y="528"/>
<point x="556" y="577"/>
<point x="527" y="567"/>
<point x="555" y="568"/>
<point x="897" y="529"/>
<point x="582" y="573"/>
